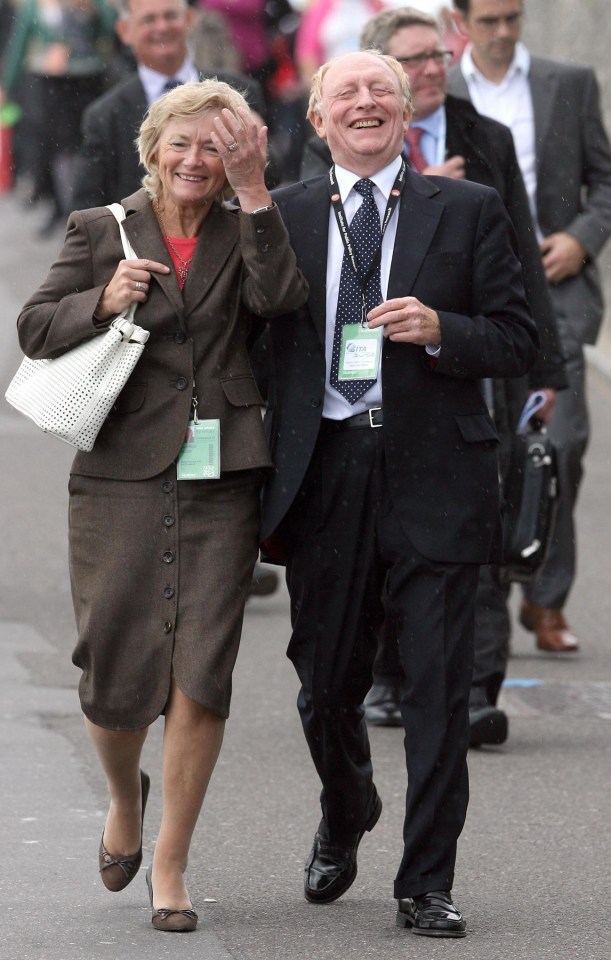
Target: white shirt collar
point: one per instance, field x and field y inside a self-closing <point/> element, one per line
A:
<point x="433" y="123"/>
<point x="154" y="82"/>
<point x="520" y="65"/>
<point x="383" y="179"/>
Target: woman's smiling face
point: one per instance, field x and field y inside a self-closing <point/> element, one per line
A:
<point x="191" y="172"/>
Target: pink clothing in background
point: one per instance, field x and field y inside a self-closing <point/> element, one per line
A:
<point x="245" y="19"/>
<point x="318" y="43"/>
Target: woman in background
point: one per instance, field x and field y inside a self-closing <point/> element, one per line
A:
<point x="59" y="49"/>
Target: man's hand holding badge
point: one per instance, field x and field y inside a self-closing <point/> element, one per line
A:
<point x="407" y="320"/>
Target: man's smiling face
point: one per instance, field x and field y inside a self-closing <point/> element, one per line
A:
<point x="361" y="115"/>
<point x="156" y="30"/>
<point x="428" y="80"/>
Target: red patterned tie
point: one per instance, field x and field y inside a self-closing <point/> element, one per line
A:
<point x="416" y="157"/>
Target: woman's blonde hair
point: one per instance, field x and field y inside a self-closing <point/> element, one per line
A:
<point x="185" y="101"/>
<point x="315" y="102"/>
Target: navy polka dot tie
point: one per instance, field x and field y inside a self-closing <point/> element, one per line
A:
<point x="365" y="232"/>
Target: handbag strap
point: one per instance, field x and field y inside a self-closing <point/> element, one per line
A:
<point x="118" y="212"/>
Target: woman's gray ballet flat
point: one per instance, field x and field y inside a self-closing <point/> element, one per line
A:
<point x="171" y="921"/>
<point x="117" y="872"/>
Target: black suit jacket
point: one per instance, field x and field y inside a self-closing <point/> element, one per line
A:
<point x="490" y="159"/>
<point x="107" y="166"/>
<point x="455" y="251"/>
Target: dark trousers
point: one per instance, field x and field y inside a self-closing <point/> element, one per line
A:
<point x="492" y="631"/>
<point x="570" y="431"/>
<point x="550" y="587"/>
<point x="56" y="106"/>
<point x="345" y="542"/>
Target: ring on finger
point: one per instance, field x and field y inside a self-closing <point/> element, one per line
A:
<point x="232" y="147"/>
<point x="140" y="286"/>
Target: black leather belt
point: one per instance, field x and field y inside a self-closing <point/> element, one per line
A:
<point x="371" y="418"/>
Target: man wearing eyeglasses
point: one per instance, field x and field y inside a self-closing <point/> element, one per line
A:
<point x="554" y="114"/>
<point x="452" y="140"/>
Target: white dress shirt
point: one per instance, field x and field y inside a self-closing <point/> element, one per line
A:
<point x="509" y="102"/>
<point x="335" y="406"/>
<point x="154" y="82"/>
<point x="433" y="142"/>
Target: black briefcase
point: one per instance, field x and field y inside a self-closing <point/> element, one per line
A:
<point x="530" y="502"/>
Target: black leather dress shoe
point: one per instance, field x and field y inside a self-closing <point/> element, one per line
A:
<point x="431" y="915"/>
<point x="382" y="706"/>
<point x="487" y="723"/>
<point x="331" y="867"/>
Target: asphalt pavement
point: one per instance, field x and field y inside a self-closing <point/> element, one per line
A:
<point x="533" y="874"/>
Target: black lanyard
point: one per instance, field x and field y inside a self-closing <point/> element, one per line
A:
<point x="344" y="229"/>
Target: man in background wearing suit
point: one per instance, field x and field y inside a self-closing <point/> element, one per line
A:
<point x="447" y="137"/>
<point x="156" y="31"/>
<point x="385" y="466"/>
<point x="107" y="165"/>
<point x="554" y="113"/>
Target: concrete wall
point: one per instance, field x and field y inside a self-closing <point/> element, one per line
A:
<point x="577" y="31"/>
<point x="574" y="30"/>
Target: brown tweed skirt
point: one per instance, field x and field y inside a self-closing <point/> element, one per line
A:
<point x="160" y="571"/>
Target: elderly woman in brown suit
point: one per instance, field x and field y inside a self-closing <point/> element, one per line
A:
<point x="161" y="566"/>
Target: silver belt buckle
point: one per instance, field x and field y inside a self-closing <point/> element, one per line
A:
<point x="371" y="411"/>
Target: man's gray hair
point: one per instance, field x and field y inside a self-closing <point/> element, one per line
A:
<point x="377" y="32"/>
<point x="123" y="7"/>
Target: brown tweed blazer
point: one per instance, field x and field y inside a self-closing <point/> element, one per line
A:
<point x="242" y="267"/>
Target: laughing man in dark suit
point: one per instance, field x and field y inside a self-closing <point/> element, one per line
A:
<point x="391" y="478"/>
<point x="458" y="142"/>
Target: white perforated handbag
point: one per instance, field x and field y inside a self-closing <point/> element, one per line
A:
<point x="71" y="396"/>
